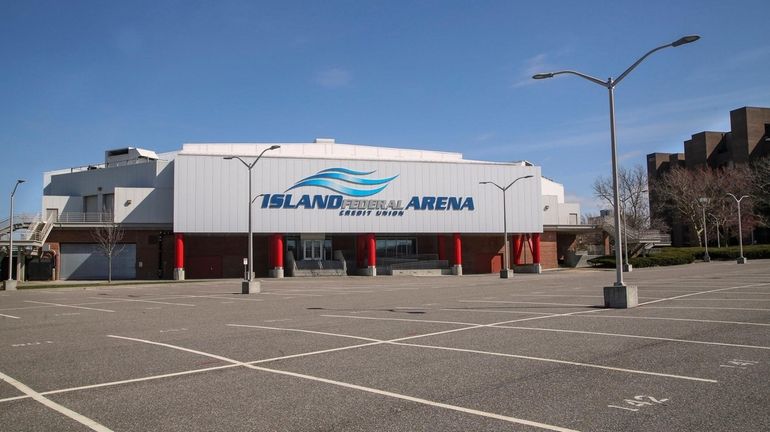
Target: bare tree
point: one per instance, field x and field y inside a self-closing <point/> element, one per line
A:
<point x="108" y="238"/>
<point x="680" y="191"/>
<point x="686" y="194"/>
<point x="632" y="184"/>
<point x="760" y="189"/>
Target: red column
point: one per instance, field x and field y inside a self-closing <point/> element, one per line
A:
<point x="536" y="248"/>
<point x="517" y="249"/>
<point x="458" y="249"/>
<point x="278" y="251"/>
<point x="178" y="251"/>
<point x="441" y="247"/>
<point x="372" y="249"/>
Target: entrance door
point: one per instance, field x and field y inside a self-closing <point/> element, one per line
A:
<point x="317" y="249"/>
<point x="311" y="249"/>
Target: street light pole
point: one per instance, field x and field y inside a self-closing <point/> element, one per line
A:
<point x="505" y="273"/>
<point x="621" y="296"/>
<point x="704" y="202"/>
<point x="249" y="286"/>
<point x="10" y="284"/>
<point x="741" y="259"/>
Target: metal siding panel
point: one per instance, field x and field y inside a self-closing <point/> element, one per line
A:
<point x="214" y="191"/>
<point x="84" y="262"/>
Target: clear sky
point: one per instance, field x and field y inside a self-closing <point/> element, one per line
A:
<point x="80" y="77"/>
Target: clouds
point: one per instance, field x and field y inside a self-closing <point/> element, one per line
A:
<point x="332" y="78"/>
<point x="531" y="66"/>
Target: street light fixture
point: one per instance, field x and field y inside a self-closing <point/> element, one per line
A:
<point x="704" y="202"/>
<point x="249" y="285"/>
<point x="10" y="284"/>
<point x="741" y="259"/>
<point x="505" y="273"/>
<point x="619" y="295"/>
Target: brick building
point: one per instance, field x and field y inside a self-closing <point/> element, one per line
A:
<point x="747" y="140"/>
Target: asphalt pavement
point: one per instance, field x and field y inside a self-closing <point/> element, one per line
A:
<point x="468" y="353"/>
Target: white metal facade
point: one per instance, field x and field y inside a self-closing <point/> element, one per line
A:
<point x="211" y="195"/>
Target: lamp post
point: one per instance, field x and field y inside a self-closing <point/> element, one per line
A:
<point x="627" y="267"/>
<point x="249" y="285"/>
<point x="704" y="202"/>
<point x="619" y="295"/>
<point x="505" y="273"/>
<point x="741" y="259"/>
<point x="716" y="223"/>
<point x="10" y="284"/>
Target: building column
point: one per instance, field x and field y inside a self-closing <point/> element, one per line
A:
<point x="276" y="247"/>
<point x="178" y="256"/>
<point x="518" y="243"/>
<point x="536" y="252"/>
<point x="371" y="246"/>
<point x="441" y="247"/>
<point x="457" y="268"/>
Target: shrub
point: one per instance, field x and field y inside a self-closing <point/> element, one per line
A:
<point x="678" y="256"/>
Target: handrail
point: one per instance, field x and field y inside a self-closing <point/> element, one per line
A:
<point x="83" y="217"/>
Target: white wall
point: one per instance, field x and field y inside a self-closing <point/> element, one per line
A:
<point x="144" y="205"/>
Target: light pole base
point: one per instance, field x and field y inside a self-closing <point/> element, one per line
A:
<point x="276" y="273"/>
<point x="506" y="274"/>
<point x="741" y="260"/>
<point x="10" y="285"/>
<point x="179" y="274"/>
<point x="628" y="268"/>
<point x="706" y="258"/>
<point x="250" y="287"/>
<point x="620" y="297"/>
<point x="457" y="270"/>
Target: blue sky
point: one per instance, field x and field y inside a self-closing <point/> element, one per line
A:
<point x="80" y="77"/>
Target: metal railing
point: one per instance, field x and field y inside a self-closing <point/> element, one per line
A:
<point x="89" y="217"/>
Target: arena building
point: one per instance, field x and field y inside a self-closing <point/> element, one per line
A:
<point x="318" y="208"/>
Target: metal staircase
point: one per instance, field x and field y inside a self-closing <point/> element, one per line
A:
<point x="639" y="240"/>
<point x="28" y="229"/>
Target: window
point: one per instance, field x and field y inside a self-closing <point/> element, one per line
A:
<point x="317" y="250"/>
<point x="396" y="247"/>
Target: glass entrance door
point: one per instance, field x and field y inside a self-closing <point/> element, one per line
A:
<point x="316" y="249"/>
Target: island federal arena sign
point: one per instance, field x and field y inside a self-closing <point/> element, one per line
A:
<point x="353" y="190"/>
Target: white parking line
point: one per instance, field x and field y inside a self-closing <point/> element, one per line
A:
<point x="146" y="301"/>
<point x="491" y="353"/>
<point x="91" y="424"/>
<point x="128" y="381"/>
<point x="9" y="316"/>
<point x="361" y="388"/>
<point x="502" y="326"/>
<point x="674" y="319"/>
<point x="522" y="302"/>
<point x="702" y="292"/>
<point x="70" y="306"/>
<point x="496" y="311"/>
<point x="623" y="335"/>
<point x="702" y="307"/>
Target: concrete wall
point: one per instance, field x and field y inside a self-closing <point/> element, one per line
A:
<point x="144" y="205"/>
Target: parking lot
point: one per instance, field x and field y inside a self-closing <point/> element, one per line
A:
<point x="537" y="352"/>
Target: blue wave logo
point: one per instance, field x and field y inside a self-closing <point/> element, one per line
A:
<point x="339" y="179"/>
